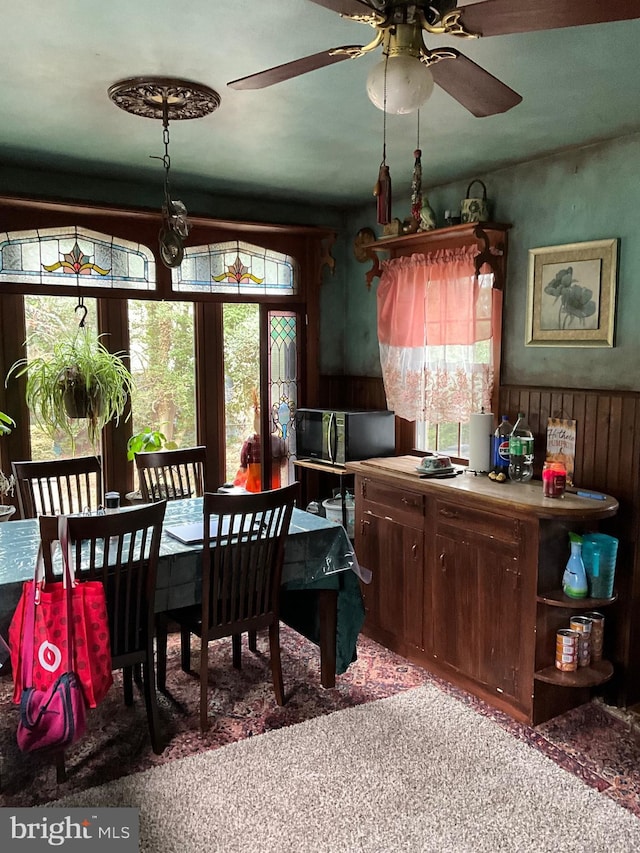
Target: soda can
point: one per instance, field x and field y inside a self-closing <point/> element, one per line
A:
<point x="583" y="625"/>
<point x="597" y="634"/>
<point x="567" y="646"/>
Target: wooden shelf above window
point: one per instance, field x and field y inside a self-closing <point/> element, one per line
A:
<point x="489" y="237"/>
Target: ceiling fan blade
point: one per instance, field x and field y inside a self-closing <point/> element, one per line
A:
<point x="501" y="17"/>
<point x="478" y="91"/>
<point x="294" y="69"/>
<point x="349" y="8"/>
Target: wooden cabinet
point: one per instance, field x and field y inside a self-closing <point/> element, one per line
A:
<point x="390" y="536"/>
<point x="475" y="597"/>
<point x="466" y="577"/>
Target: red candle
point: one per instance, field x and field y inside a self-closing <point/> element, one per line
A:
<point x="554" y="479"/>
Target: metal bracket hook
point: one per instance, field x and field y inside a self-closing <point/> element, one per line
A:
<point x="82" y="307"/>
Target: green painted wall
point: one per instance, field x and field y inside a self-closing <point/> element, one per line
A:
<point x="64" y="186"/>
<point x="589" y="193"/>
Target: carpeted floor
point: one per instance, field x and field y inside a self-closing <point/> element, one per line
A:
<point x="419" y="771"/>
<point x="595" y="743"/>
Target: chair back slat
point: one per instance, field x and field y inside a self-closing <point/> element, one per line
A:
<point x="58" y="486"/>
<point x="172" y="474"/>
<point x="242" y="558"/>
<point x="121" y="550"/>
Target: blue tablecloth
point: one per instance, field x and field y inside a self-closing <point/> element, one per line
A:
<point x="318" y="555"/>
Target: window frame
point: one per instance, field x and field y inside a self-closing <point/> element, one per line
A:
<point x="491" y="241"/>
<point x="310" y="246"/>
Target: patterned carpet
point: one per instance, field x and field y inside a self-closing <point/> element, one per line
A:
<point x="598" y="744"/>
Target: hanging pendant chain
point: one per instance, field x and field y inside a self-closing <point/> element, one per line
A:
<point x="384" y="113"/>
<point x="418" y="134"/>
<point x="166" y="160"/>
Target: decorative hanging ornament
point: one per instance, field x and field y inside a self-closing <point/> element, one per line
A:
<point x="166" y="98"/>
<point x="422" y="215"/>
<point x="382" y="189"/>
<point x="416" y="186"/>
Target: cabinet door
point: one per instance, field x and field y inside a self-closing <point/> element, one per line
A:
<point x="393" y="599"/>
<point x="476" y="610"/>
<point x="499" y="619"/>
<point x="454" y="604"/>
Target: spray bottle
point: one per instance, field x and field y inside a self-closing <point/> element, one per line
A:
<point x="574" y="580"/>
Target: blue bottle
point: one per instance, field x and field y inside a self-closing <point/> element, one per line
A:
<point x="574" y="580"/>
<point x="500" y="447"/>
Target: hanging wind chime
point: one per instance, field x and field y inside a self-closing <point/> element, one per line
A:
<point x="382" y="189"/>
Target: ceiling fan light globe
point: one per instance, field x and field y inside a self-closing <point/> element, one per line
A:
<point x="409" y="84"/>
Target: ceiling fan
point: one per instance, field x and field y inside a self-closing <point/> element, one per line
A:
<point x="404" y="79"/>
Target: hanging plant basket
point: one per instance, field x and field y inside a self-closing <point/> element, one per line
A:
<point x="80" y="378"/>
<point x="80" y="401"/>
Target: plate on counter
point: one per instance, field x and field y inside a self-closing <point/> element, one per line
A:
<point x="442" y="473"/>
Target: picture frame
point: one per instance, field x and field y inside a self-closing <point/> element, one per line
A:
<point x="572" y="295"/>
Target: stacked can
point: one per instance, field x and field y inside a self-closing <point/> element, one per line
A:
<point x="582" y="624"/>
<point x="567" y="649"/>
<point x="597" y="634"/>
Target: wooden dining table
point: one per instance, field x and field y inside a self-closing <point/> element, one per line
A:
<point x="321" y="595"/>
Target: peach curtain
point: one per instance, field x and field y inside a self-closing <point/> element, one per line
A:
<point x="436" y="322"/>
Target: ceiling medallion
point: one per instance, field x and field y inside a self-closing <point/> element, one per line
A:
<point x="149" y="97"/>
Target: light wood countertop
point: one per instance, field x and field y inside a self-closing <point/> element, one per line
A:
<point x="479" y="490"/>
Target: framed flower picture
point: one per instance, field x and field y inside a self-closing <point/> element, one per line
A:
<point x="572" y="295"/>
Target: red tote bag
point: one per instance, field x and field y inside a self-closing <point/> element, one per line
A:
<point x="47" y="644"/>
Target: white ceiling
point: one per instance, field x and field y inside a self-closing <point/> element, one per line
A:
<point x="314" y="138"/>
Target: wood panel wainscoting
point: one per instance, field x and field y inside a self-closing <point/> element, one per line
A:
<point x="607" y="459"/>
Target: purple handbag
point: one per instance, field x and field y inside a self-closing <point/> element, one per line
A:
<point x="55" y="718"/>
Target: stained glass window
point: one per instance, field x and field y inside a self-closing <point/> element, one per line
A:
<point x="235" y="268"/>
<point x="66" y="255"/>
<point x="283" y="393"/>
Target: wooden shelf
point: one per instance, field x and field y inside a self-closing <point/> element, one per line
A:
<point x="557" y="598"/>
<point x="467" y="232"/>
<point x="324" y="467"/>
<point x="490" y="238"/>
<point x="586" y="676"/>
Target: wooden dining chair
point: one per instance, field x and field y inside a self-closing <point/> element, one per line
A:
<point x="172" y="474"/>
<point x="58" y="486"/>
<point x="121" y="550"/>
<point x="242" y="561"/>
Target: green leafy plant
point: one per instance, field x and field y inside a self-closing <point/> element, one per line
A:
<point x="6" y="424"/>
<point x="147" y="441"/>
<point x="7" y="484"/>
<point x="79" y="378"/>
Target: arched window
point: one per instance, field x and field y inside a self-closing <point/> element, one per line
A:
<point x="60" y="256"/>
<point x="238" y="268"/>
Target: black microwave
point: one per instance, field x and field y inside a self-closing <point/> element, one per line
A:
<point x="343" y="436"/>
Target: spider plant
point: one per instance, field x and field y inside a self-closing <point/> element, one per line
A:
<point x="79" y="378"/>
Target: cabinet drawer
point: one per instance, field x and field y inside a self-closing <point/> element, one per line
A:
<point x="476" y="521"/>
<point x="386" y="501"/>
